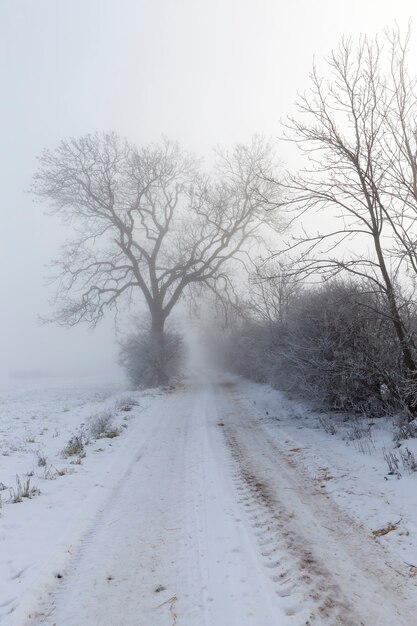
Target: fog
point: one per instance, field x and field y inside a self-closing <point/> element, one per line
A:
<point x="203" y="73"/>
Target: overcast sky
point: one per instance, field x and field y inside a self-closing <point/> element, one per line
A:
<point x="205" y="73"/>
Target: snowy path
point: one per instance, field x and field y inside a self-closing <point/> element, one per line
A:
<point x="212" y="524"/>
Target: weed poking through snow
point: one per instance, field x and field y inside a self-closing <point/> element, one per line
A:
<point x="51" y="473"/>
<point x="22" y="491"/>
<point x="393" y="463"/>
<point x="125" y="404"/>
<point x="360" y="434"/>
<point x="75" y="446"/>
<point x="102" y="427"/>
<point x="408" y="460"/>
<point x="404" y="429"/>
<point x="41" y="459"/>
<point x="328" y="426"/>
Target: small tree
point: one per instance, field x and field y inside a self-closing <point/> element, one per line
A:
<point x="148" y="221"/>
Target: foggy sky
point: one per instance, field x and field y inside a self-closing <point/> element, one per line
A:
<point x="205" y="73"/>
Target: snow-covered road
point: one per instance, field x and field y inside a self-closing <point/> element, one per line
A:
<point x="209" y="521"/>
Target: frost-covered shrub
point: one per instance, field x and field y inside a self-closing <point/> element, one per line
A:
<point x="253" y="353"/>
<point x="341" y="349"/>
<point x="151" y="360"/>
<point x="335" y="346"/>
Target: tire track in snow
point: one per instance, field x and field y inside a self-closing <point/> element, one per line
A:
<point x="299" y="578"/>
<point x="234" y="589"/>
<point x="321" y="562"/>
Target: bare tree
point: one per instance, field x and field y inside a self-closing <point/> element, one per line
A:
<point x="148" y="221"/>
<point x="358" y="131"/>
<point x="272" y="290"/>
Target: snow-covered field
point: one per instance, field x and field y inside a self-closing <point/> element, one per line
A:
<point x="219" y="503"/>
<point x="37" y="420"/>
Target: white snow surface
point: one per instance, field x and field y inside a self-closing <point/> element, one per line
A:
<point x="221" y="503"/>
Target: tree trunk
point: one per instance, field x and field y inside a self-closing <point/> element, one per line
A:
<point x="158" y="343"/>
<point x="409" y="364"/>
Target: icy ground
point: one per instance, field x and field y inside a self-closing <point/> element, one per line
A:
<point x="219" y="503"/>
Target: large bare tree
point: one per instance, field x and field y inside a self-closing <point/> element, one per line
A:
<point x="146" y="220"/>
<point x="358" y="129"/>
